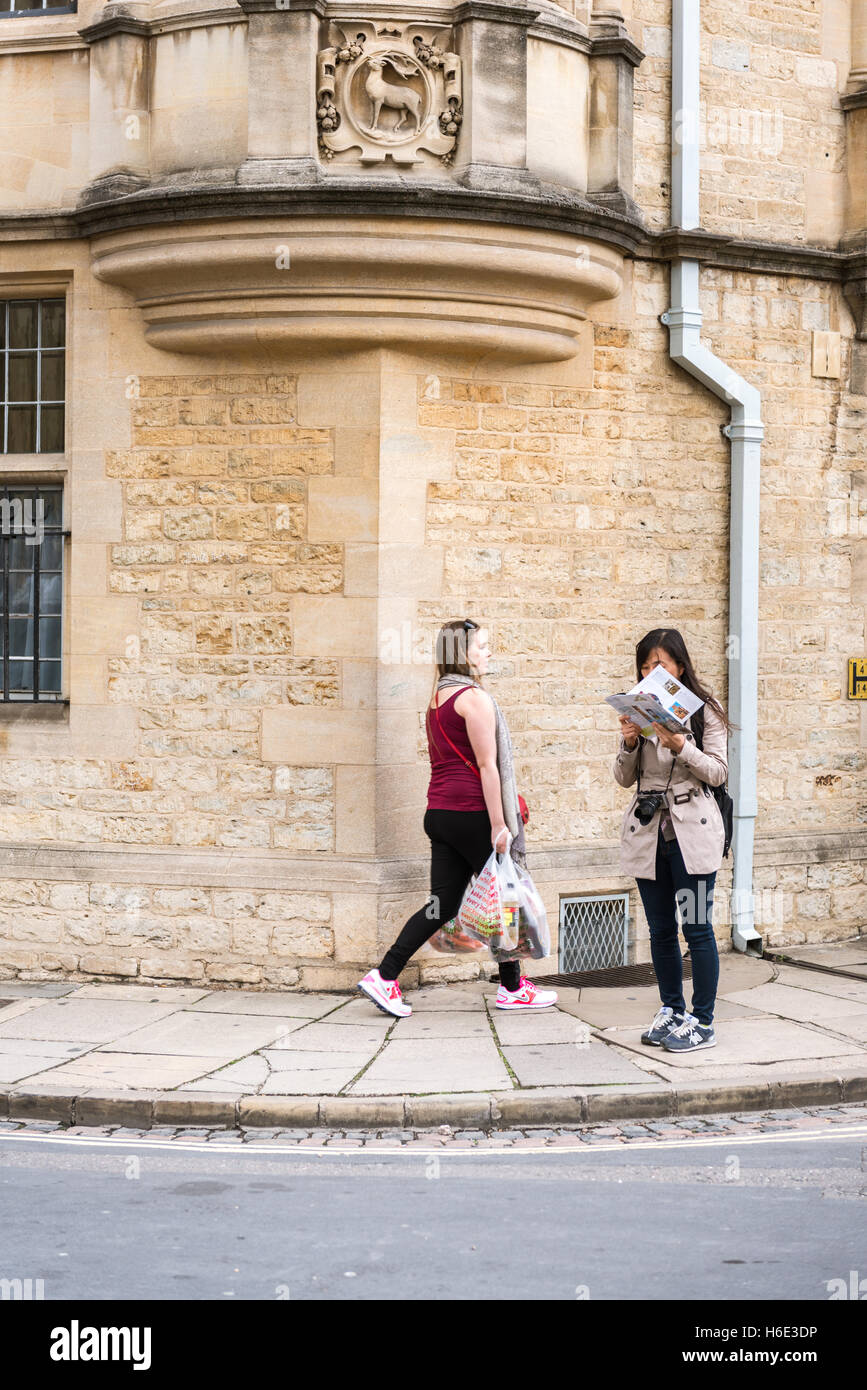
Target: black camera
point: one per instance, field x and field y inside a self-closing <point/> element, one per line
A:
<point x="647" y="805"/>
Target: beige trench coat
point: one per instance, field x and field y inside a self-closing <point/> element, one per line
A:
<point x="694" y="813"/>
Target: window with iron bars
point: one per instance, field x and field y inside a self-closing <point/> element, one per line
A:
<point x="31" y="593"/>
<point x="33" y="334"/>
<point x="594" y="932"/>
<point x="8" y="8"/>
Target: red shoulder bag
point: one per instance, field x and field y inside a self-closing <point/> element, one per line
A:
<point x="522" y="805"/>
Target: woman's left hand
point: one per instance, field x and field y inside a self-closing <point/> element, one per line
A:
<point x="668" y="740"/>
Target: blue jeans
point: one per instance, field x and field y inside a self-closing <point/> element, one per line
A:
<point x="694" y="894"/>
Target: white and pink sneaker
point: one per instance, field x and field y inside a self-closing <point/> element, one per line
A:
<point x="526" y="996"/>
<point x="385" y="994"/>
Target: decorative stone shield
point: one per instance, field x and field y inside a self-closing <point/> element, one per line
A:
<point x="388" y="92"/>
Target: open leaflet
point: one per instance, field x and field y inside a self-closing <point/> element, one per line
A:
<point x="659" y="698"/>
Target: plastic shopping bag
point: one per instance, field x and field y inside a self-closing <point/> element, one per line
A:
<point x="534" y="937"/>
<point x="451" y="940"/>
<point x="533" y="927"/>
<point x="490" y="907"/>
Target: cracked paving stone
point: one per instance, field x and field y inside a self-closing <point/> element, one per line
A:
<point x="91" y="1131"/>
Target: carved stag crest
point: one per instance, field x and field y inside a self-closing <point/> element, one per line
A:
<point x="388" y="93"/>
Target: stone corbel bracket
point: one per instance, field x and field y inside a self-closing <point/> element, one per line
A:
<point x="510" y="292"/>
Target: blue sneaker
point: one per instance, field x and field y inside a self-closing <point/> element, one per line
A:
<point x="662" y="1025"/>
<point x="690" y="1036"/>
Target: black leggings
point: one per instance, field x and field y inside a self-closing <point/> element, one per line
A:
<point x="460" y="847"/>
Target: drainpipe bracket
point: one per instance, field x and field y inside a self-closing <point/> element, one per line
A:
<point x="679" y="317"/>
<point x="750" y="431"/>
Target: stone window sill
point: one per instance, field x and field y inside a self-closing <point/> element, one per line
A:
<point x="34" y="711"/>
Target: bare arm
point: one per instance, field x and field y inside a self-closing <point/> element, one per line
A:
<point x="481" y="721"/>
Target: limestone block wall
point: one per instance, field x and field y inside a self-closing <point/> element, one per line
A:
<point x="46" y="101"/>
<point x="215" y="547"/>
<point x="773" y="134"/>
<point x="265" y="536"/>
<point x="238" y="789"/>
<point x="585" y="509"/>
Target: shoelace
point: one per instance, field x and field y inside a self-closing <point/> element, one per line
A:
<point x="683" y="1030"/>
<point x="659" y="1020"/>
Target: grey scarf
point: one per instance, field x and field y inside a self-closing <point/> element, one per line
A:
<point x="506" y="769"/>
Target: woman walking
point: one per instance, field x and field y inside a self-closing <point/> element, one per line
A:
<point x="472" y="807"/>
<point x="673" y="844"/>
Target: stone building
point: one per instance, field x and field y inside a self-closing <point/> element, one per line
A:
<point x="325" y="322"/>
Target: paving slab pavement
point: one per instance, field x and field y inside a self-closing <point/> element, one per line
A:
<point x="145" y="1053"/>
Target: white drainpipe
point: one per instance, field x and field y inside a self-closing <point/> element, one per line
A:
<point x="745" y="431"/>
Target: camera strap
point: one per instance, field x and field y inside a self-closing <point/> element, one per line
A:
<point x="670" y="770"/>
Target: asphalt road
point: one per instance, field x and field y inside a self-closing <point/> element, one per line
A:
<point x="763" y="1218"/>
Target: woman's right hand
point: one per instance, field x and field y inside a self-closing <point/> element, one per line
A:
<point x="631" y="732"/>
<point x="500" y="837"/>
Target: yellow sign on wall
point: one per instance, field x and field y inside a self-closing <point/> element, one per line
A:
<point x="858" y="678"/>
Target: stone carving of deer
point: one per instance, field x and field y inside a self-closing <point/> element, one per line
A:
<point x="382" y="93"/>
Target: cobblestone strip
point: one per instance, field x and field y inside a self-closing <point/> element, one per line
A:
<point x="379" y="1140"/>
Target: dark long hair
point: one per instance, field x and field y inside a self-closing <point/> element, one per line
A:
<point x="671" y="642"/>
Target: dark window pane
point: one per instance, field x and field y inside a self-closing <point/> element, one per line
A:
<point x="52" y="513"/>
<point x="22" y="376"/>
<point x="21" y="554"/>
<point x="51" y="441"/>
<point x="49" y="637"/>
<point x="50" y="553"/>
<point x="21" y="675"/>
<point x="53" y="322"/>
<point x="20" y="637"/>
<point x="23" y="323"/>
<point x="21" y="593"/>
<point x="22" y="429"/>
<point x="50" y="593"/>
<point x="3" y="302"/>
<point x="52" y="376"/>
<point x="13" y="515"/>
<point x="49" y="676"/>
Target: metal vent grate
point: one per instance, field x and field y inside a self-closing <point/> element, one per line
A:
<point x="593" y="932"/>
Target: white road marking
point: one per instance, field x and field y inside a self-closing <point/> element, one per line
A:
<point x="858" y="1131"/>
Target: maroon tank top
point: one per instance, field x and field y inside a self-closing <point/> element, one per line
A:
<point x="453" y="786"/>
